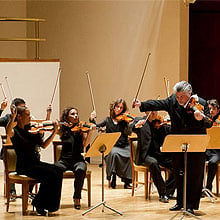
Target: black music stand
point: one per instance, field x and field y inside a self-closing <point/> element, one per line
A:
<point x="102" y="145"/>
<point x="185" y="144"/>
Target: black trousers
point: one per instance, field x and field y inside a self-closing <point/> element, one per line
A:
<point x="195" y="175"/>
<point x="79" y="169"/>
<point x="154" y="162"/>
<point x="213" y="158"/>
<point x="50" y="178"/>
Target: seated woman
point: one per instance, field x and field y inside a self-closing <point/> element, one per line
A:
<point x="27" y="146"/>
<point x="118" y="160"/>
<point x="74" y="141"/>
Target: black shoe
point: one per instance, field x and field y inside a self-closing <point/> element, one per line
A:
<point x="77" y="203"/>
<point x="172" y="197"/>
<point x="164" y="199"/>
<point x="41" y="211"/>
<point x="190" y="211"/>
<point x="12" y="196"/>
<point x="127" y="186"/>
<point x="176" y="207"/>
<point x="113" y="184"/>
<point x="77" y="207"/>
<point x="31" y="196"/>
<point x="202" y="194"/>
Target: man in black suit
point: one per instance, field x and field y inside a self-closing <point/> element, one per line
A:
<point x="148" y="154"/>
<point x="184" y="121"/>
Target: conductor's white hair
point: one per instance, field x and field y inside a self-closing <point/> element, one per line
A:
<point x="182" y="86"/>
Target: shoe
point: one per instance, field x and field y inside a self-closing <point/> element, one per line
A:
<point x="31" y="195"/>
<point x="113" y="182"/>
<point x="190" y="211"/>
<point x="202" y="194"/>
<point x="12" y="196"/>
<point x="127" y="186"/>
<point x="172" y="197"/>
<point x="176" y="207"/>
<point x="164" y="199"/>
<point x="77" y="204"/>
<point x="40" y="211"/>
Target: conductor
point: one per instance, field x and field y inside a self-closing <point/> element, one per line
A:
<point x="188" y="115"/>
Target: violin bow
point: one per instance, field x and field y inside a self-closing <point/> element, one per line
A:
<point x="3" y="91"/>
<point x="158" y="97"/>
<point x="167" y="86"/>
<point x="90" y="89"/>
<point x="9" y="90"/>
<point x="55" y="87"/>
<point x="142" y="77"/>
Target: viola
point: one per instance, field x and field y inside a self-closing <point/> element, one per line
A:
<point x="125" y="117"/>
<point x="82" y="127"/>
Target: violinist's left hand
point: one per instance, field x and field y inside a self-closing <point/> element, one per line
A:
<point x="49" y="110"/>
<point x="197" y="115"/>
<point x="4" y="104"/>
<point x="140" y="123"/>
<point x="92" y="127"/>
<point x="56" y="126"/>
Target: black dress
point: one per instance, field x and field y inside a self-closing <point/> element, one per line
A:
<point x="72" y="159"/>
<point x="118" y="160"/>
<point x="27" y="147"/>
<point x="183" y="122"/>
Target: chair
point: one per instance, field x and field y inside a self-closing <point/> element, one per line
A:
<point x="140" y="168"/>
<point x="11" y="176"/>
<point x="57" y="147"/>
<point x="217" y="180"/>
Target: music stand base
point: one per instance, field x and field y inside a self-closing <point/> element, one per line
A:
<point x="104" y="205"/>
<point x="184" y="213"/>
<point x="209" y="194"/>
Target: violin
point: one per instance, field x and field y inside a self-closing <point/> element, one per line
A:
<point x="81" y="127"/>
<point x="217" y="121"/>
<point x="36" y="127"/>
<point x="125" y="117"/>
<point x="193" y="105"/>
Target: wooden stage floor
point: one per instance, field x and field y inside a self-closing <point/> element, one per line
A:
<point x="131" y="207"/>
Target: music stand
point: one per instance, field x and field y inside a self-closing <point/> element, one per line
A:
<point x="185" y="144"/>
<point x="102" y="145"/>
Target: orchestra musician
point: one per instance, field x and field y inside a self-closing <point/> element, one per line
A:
<point x="27" y="146"/>
<point x="212" y="156"/>
<point x="183" y="122"/>
<point x="150" y="139"/>
<point x="3" y="123"/>
<point x="74" y="141"/>
<point x="118" y="160"/>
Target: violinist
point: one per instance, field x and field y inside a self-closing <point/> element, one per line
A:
<point x="150" y="139"/>
<point x="3" y="123"/>
<point x="212" y="156"/>
<point x="183" y="122"/>
<point x="118" y="160"/>
<point x="27" y="148"/>
<point x="74" y="141"/>
<point x="3" y="105"/>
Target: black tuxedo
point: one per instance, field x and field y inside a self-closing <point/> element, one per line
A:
<point x="183" y="122"/>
